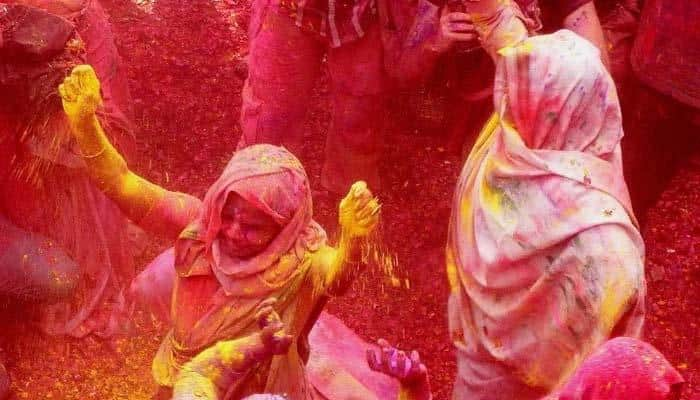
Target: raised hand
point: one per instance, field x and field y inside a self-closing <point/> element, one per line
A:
<point x="359" y="211"/>
<point x="80" y="93"/>
<point x="408" y="369"/>
<point x="455" y="27"/>
<point x="273" y="335"/>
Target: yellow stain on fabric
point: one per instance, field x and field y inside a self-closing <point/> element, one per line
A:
<point x="533" y="377"/>
<point x="131" y="183"/>
<point x="452" y="273"/>
<point x="230" y="353"/>
<point x="616" y="294"/>
<point x="466" y="216"/>
<point x="328" y="269"/>
<point x="493" y="197"/>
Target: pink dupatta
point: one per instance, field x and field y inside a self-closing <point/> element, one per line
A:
<point x="623" y="368"/>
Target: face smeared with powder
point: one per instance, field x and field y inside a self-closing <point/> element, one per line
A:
<point x="245" y="230"/>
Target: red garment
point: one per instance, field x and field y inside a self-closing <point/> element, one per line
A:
<point x="47" y="189"/>
<point x="666" y="55"/>
<point x="284" y="64"/>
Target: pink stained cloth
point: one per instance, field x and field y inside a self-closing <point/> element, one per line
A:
<point x="215" y="295"/>
<point x="623" y="368"/>
<point x="544" y="256"/>
<point x="337" y="368"/>
<point x="48" y="191"/>
<point x="274" y="181"/>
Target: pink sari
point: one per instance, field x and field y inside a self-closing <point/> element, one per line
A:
<point x="544" y="256"/>
<point x="215" y="295"/>
<point x="623" y="368"/>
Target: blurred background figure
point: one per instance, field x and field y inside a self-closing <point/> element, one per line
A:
<point x="660" y="91"/>
<point x="288" y="41"/>
<point x="45" y="188"/>
<point x="454" y="92"/>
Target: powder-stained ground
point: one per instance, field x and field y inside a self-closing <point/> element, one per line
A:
<point x="186" y="69"/>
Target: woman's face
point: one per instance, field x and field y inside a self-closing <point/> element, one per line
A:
<point x="245" y="230"/>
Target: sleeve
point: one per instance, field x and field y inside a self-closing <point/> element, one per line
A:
<point x="171" y="214"/>
<point x="212" y="372"/>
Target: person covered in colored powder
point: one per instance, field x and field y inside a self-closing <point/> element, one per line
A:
<point x="251" y="238"/>
<point x="45" y="188"/>
<point x="338" y="366"/>
<point x="622" y="368"/>
<point x="467" y="70"/>
<point x="212" y="371"/>
<point x="370" y="46"/>
<point x="62" y="243"/>
<point x="288" y="40"/>
<point x="544" y="256"/>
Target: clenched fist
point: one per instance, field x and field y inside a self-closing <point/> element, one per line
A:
<point x="80" y="93"/>
<point x="359" y="211"/>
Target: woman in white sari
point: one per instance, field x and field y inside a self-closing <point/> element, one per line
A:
<point x="544" y="256"/>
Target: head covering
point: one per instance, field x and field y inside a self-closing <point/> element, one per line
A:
<point x="222" y="304"/>
<point x="623" y="368"/>
<point x="273" y="181"/>
<point x="544" y="255"/>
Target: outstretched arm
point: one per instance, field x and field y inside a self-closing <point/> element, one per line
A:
<point x="407" y="369"/>
<point x="135" y="196"/>
<point x="211" y="372"/>
<point x="584" y="21"/>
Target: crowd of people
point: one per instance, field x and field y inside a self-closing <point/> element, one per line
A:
<point x="544" y="256"/>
